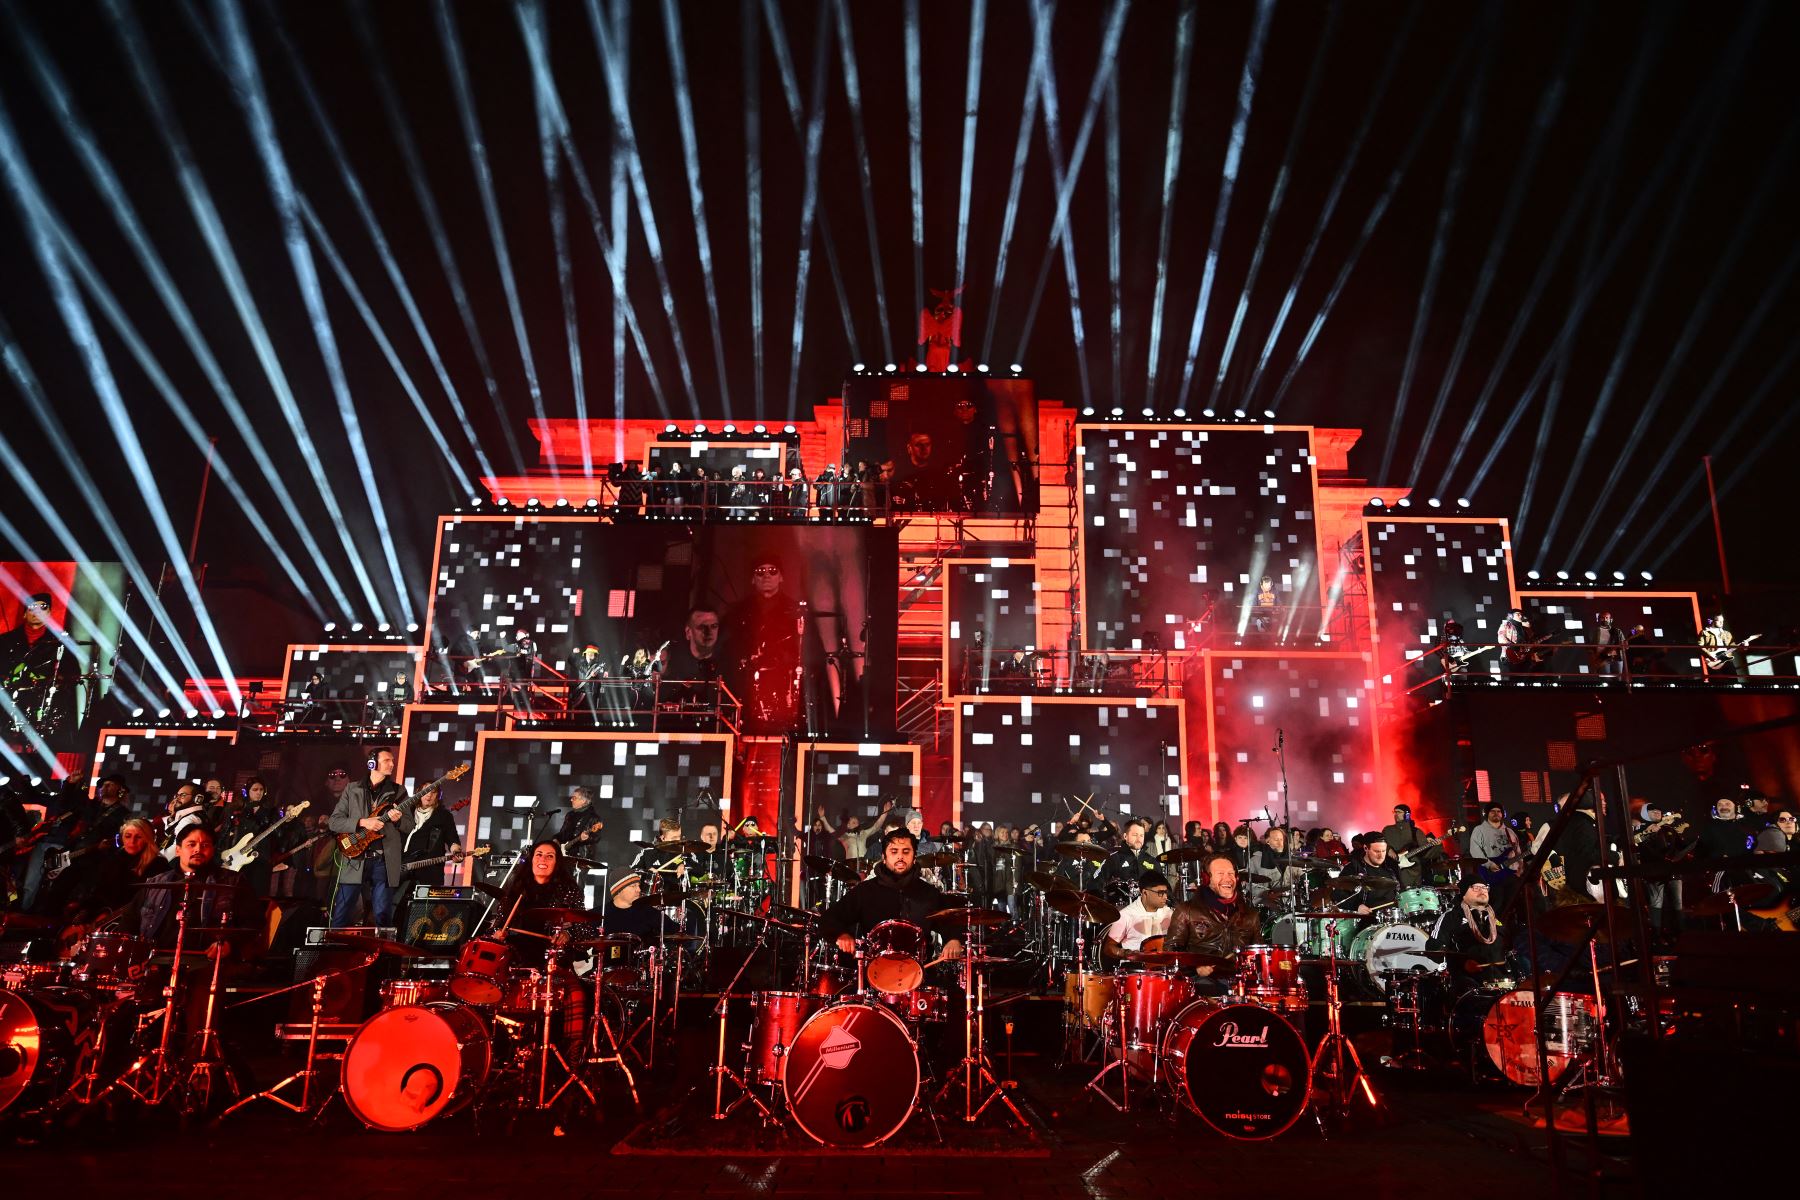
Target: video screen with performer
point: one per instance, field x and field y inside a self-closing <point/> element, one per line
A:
<point x="945" y="443"/>
<point x="796" y="621"/>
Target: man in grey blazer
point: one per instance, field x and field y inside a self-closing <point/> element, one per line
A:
<point x="373" y="804"/>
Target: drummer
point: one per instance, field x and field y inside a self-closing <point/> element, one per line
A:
<point x="1470" y="933"/>
<point x="152" y="911"/>
<point x="1145" y="917"/>
<point x="1380" y="876"/>
<point x="1216" y="922"/>
<point x="892" y="892"/>
<point x="712" y="862"/>
<point x="628" y="912"/>
<point x="1132" y="859"/>
<point x="546" y="883"/>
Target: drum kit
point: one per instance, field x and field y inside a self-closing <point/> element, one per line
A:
<point x="848" y="1059"/>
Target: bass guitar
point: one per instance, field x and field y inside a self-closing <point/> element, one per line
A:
<point x="1527" y="653"/>
<point x="455" y="855"/>
<point x="1785" y="913"/>
<point x="244" y="852"/>
<point x="1412" y="858"/>
<point x="352" y="844"/>
<point x="280" y="860"/>
<point x="31" y="837"/>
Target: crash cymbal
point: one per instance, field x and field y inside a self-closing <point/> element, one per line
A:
<point x="363" y="941"/>
<point x="1349" y="885"/>
<point x="675" y="939"/>
<point x="590" y="864"/>
<point x="1049" y="881"/>
<point x="1274" y="896"/>
<point x="677" y="846"/>
<point x="1183" y="854"/>
<point x="1085" y="850"/>
<point x="1007" y="848"/>
<point x="1181" y="959"/>
<point x="816" y="863"/>
<point x="845" y="872"/>
<point x="986" y="918"/>
<point x="943" y="858"/>
<point x="557" y="916"/>
<point x="1084" y="905"/>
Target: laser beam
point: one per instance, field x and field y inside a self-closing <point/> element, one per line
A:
<point x="915" y="158"/>
<point x="853" y="95"/>
<point x="1040" y="54"/>
<point x="1171" y="173"/>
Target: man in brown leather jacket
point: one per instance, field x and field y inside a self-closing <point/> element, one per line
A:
<point x="1218" y="921"/>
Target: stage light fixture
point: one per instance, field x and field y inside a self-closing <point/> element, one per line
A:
<point x="503" y="502"/>
<point x="1563" y="575"/>
<point x="951" y="369"/>
<point x="919" y="367"/>
<point x="671" y="427"/>
<point x="592" y="503"/>
<point x="1238" y="413"/>
<point x="562" y="502"/>
<point x="1589" y="576"/>
<point x="1462" y="502"/>
<point x="1016" y="368"/>
<point x="1531" y="575"/>
<point x="384" y="627"/>
<point x="787" y="429"/>
<point x="1646" y="576"/>
<point x="1207" y="412"/>
<point x="1269" y="413"/>
<point x="759" y="429"/>
<point x="1619" y="575"/>
<point x="857" y="367"/>
<point x="412" y="627"/>
<point x="532" y="502"/>
<point x="731" y="429"/>
<point x="1375" y="502"/>
<point x="1118" y="412"/>
<point x="356" y="626"/>
<point x="162" y="714"/>
<point x="137" y="712"/>
<point x="330" y="626"/>
<point x="1149" y="412"/>
<point x="1088" y="411"/>
<point x="474" y="501"/>
<point x="982" y="367"/>
<point x="1435" y="502"/>
<point x="1181" y="414"/>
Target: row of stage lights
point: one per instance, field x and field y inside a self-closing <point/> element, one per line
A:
<point x="921" y="368"/>
<point x="1206" y="414"/>
<point x="700" y="431"/>
<point x="1377" y="505"/>
<point x="367" y="631"/>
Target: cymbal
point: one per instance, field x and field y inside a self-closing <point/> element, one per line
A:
<point x="815" y="862"/>
<point x="552" y="916"/>
<point x="677" y="846"/>
<point x="175" y="885"/>
<point x="1049" y="881"/>
<point x="1349" y="885"/>
<point x="1570" y="922"/>
<point x="943" y="858"/>
<point x="845" y="872"/>
<point x="1181" y="959"/>
<point x="784" y="926"/>
<point x="488" y="889"/>
<point x="986" y="918"/>
<point x="1085" y="906"/>
<point x="1085" y="850"/>
<point x="1183" y="854"/>
<point x="614" y="939"/>
<point x="678" y="938"/>
<point x="363" y="941"/>
<point x="1750" y="894"/>
<point x="1274" y="896"/>
<point x="590" y="863"/>
<point x="670" y="897"/>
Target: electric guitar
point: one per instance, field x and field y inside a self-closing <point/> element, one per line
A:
<point x="1526" y="653"/>
<point x="1720" y="658"/>
<point x="596" y="827"/>
<point x="1412" y="858"/>
<point x="280" y="860"/>
<point x="56" y="864"/>
<point x="31" y="837"/>
<point x="456" y="855"/>
<point x="352" y="844"/>
<point x="1785" y="913"/>
<point x="244" y="852"/>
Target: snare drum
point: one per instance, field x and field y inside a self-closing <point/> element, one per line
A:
<point x="922" y="1004"/>
<point x="1148" y="999"/>
<point x="895" y="951"/>
<point x="109" y="959"/>
<point x="1261" y="968"/>
<point x="407" y="1066"/>
<point x="775" y="1021"/>
<point x="403" y="993"/>
<point x="481" y="972"/>
<point x="852" y="1076"/>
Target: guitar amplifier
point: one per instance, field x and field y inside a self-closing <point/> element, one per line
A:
<point x="441" y="919"/>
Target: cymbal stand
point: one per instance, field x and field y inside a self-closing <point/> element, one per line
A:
<point x="1115" y="1012"/>
<point x="207" y="1058"/>
<point x="646" y="1028"/>
<point x="721" y="1072"/>
<point x="547" y="1048"/>
<point x="599" y="1026"/>
<point x="310" y="1071"/>
<point x="977" y="1070"/>
<point x="153" y="1068"/>
<point x="1343" y="1087"/>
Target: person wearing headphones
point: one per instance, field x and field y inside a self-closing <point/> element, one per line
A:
<point x="378" y="805"/>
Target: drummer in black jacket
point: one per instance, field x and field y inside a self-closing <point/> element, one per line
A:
<point x="892" y="892"/>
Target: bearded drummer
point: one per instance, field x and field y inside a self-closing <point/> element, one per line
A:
<point x="892" y="892"/>
<point x="1218" y="922"/>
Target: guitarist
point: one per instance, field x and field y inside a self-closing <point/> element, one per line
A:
<point x="1719" y="648"/>
<point x="1517" y="642"/>
<point x="1495" y="849"/>
<point x="433" y="835"/>
<point x="371" y="804"/>
<point x="1661" y="837"/>
<point x="579" y="833"/>
<point x="96" y="823"/>
<point x="1404" y="837"/>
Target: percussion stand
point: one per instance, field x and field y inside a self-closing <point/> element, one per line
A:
<point x="977" y="1069"/>
<point x="546" y="1048"/>
<point x="1336" y="1042"/>
<point x="208" y="1058"/>
<point x="310" y="1071"/>
<point x="154" y="1066"/>
<point x="601" y="1025"/>
<point x="720" y="1072"/>
<point x="1116" y="1012"/>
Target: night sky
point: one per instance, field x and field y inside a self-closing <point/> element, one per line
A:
<point x="1613" y="185"/>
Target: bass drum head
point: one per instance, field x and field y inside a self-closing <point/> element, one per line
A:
<point x="1386" y="950"/>
<point x="851" y="1077"/>
<point x="1510" y="1033"/>
<point x="1241" y="1069"/>
<point x="407" y="1066"/>
<point x="41" y="1043"/>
